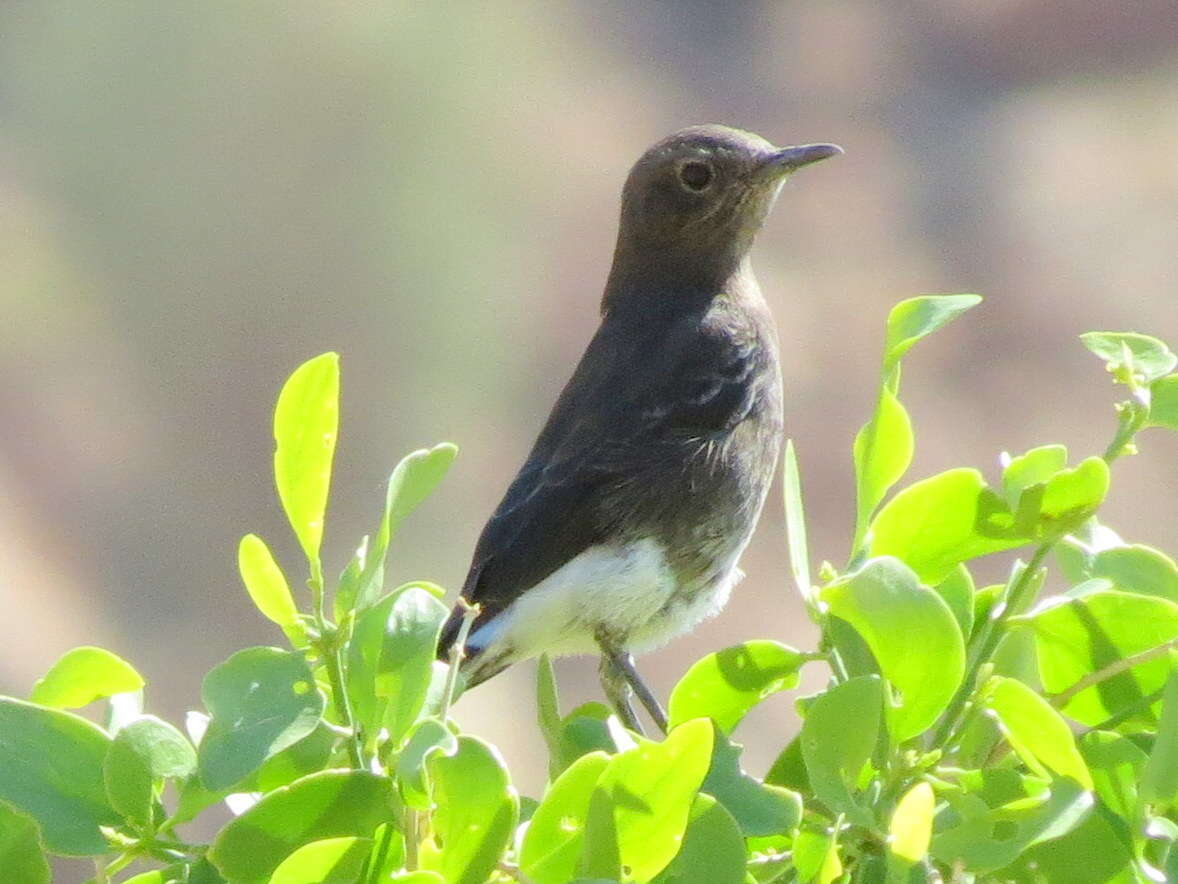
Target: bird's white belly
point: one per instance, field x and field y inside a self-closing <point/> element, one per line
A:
<point x="625" y="592"/>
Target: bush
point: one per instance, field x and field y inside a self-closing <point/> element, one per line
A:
<point x="966" y="733"/>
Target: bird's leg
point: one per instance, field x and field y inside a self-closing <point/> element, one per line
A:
<point x="625" y="664"/>
<point x="619" y="666"/>
<point x="617" y="691"/>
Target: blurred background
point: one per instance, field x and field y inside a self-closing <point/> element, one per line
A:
<point x="195" y="197"/>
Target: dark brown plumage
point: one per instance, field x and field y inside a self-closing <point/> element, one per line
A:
<point x="624" y="525"/>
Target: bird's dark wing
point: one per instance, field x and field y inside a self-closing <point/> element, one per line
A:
<point x="632" y="402"/>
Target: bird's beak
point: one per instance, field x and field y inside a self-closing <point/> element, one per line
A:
<point x="787" y="159"/>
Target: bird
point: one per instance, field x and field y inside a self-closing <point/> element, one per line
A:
<point x="624" y="527"/>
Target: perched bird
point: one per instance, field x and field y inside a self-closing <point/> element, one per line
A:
<point x="624" y="526"/>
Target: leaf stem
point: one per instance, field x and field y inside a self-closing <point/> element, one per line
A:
<point x="457" y="654"/>
<point x="986" y="642"/>
<point x="1115" y="668"/>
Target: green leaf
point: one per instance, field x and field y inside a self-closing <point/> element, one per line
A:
<point x="935" y="524"/>
<point x="476" y="812"/>
<point x="329" y="861"/>
<point x="1139" y="569"/>
<point x="816" y="856"/>
<point x="911" y="633"/>
<point x="957" y="591"/>
<point x="1097" y="851"/>
<point x="21" y="856"/>
<point x="994" y="838"/>
<point x="915" y="318"/>
<point x="1070" y="498"/>
<point x="306" y="423"/>
<point x="835" y="753"/>
<point x="553" y="840"/>
<point x="84" y="675"/>
<point x="1163" y="405"/>
<point x="1116" y="763"/>
<point x="713" y="849"/>
<point x="585" y="729"/>
<point x="1036" y="467"/>
<point x="639" y="811"/>
<point x="795" y="522"/>
<point x="548" y="713"/>
<point x="725" y="685"/>
<point x="1035" y="730"/>
<point x="1146" y="357"/>
<point x="1159" y="780"/>
<point x="411" y="482"/>
<point x="143" y="753"/>
<point x="882" y="452"/>
<point x="759" y="809"/>
<point x="428" y="738"/>
<point x="309" y="755"/>
<point x="51" y="769"/>
<point x="910" y="829"/>
<point x="1075" y="637"/>
<point x="328" y="804"/>
<point x="261" y="700"/>
<point x="267" y="587"/>
<point x="390" y="656"/>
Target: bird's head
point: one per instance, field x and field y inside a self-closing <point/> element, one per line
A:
<point x="701" y="194"/>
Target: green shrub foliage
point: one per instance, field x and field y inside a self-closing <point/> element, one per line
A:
<point x="966" y="733"/>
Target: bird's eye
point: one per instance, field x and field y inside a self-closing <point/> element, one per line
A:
<point x="695" y="176"/>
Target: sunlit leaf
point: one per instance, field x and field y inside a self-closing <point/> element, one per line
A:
<point x="475" y="815"/>
<point x="911" y="826"/>
<point x="1139" y="569"/>
<point x="835" y="753"/>
<point x="143" y="753"/>
<point x="759" y="809"/>
<point x="1143" y="355"/>
<point x="51" y="769"/>
<point x="1159" y="780"/>
<point x="328" y="804"/>
<point x="411" y="482"/>
<point x="428" y="737"/>
<point x="554" y="837"/>
<point x="915" y="318"/>
<point x="912" y="635"/>
<point x="306" y="423"/>
<point x="267" y="586"/>
<point x="795" y="522"/>
<point x="329" y="861"/>
<point x="1078" y="636"/>
<point x="390" y="657"/>
<point x="21" y="855"/>
<point x="1034" y="729"/>
<point x="261" y="700"/>
<point x="995" y="838"/>
<point x="639" y="811"/>
<point x="713" y="850"/>
<point x="83" y="675"/>
<point x="725" y="685"/>
<point x="935" y="524"/>
<point x="1163" y="406"/>
<point x="882" y="452"/>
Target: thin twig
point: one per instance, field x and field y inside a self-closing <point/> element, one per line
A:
<point x="512" y="870"/>
<point x="458" y="653"/>
<point x="1115" y="668"/>
<point x="987" y="641"/>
